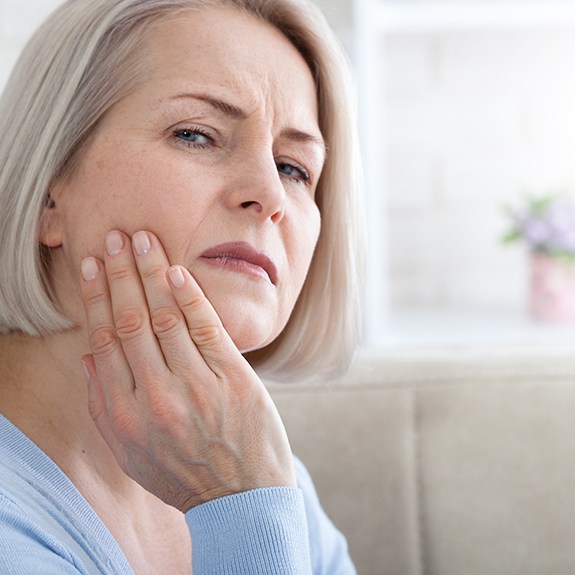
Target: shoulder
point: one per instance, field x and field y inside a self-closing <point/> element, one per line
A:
<point x="46" y="526"/>
<point x="28" y="544"/>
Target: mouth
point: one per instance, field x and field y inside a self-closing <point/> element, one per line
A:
<point x="241" y="257"/>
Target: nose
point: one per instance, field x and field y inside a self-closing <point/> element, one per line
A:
<point x="257" y="189"/>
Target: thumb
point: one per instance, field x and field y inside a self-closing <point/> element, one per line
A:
<point x="96" y="402"/>
<point x="97" y="407"/>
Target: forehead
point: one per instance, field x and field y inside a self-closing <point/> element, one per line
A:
<point x="234" y="53"/>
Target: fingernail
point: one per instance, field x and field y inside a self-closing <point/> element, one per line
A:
<point x="114" y="243"/>
<point x="85" y="369"/>
<point x="176" y="277"/>
<point x="90" y="269"/>
<point x="142" y="243"/>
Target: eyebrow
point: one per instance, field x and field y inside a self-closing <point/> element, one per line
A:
<point x="226" y="108"/>
<point x="236" y="113"/>
<point x="299" y="136"/>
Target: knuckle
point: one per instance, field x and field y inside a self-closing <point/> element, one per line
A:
<point x="208" y="404"/>
<point x="125" y="426"/>
<point x="120" y="273"/>
<point x="130" y="323"/>
<point x="148" y="373"/>
<point x="162" y="411"/>
<point x="95" y="297"/>
<point x="165" y="320"/>
<point x="154" y="272"/>
<point x="170" y="414"/>
<point x="194" y="303"/>
<point x="207" y="331"/>
<point x="103" y="340"/>
<point x="206" y="335"/>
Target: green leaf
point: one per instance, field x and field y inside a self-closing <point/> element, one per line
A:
<point x="512" y="236"/>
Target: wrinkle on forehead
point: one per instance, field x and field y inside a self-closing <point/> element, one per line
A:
<point x="264" y="68"/>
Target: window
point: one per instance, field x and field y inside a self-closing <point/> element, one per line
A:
<point x="464" y="105"/>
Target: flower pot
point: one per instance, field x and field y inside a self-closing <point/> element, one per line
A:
<point x="552" y="289"/>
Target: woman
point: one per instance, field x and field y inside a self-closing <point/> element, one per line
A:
<point x="178" y="221"/>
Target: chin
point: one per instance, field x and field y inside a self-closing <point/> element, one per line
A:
<point x="248" y="335"/>
<point x="250" y="316"/>
<point x="249" y="330"/>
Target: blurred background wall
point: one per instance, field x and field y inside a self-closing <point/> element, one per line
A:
<point x="465" y="119"/>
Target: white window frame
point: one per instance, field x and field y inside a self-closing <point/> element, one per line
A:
<point x="372" y="18"/>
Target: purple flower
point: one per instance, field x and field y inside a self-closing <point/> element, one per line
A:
<point x="547" y="225"/>
<point x="561" y="216"/>
<point x="563" y="240"/>
<point x="536" y="232"/>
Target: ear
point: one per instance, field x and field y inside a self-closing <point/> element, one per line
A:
<point x="50" y="228"/>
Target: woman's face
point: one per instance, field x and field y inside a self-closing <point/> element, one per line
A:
<point x="218" y="152"/>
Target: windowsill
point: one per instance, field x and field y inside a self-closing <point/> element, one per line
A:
<point x="441" y="328"/>
<point x="444" y="15"/>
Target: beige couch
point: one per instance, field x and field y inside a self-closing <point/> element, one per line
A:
<point x="453" y="462"/>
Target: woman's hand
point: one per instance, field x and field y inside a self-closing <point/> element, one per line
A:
<point x="181" y="409"/>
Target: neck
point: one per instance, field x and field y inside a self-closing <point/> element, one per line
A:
<point x="43" y="392"/>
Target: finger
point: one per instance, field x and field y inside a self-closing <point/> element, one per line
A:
<point x="98" y="409"/>
<point x="130" y="311"/>
<point x="108" y="356"/>
<point x="204" y="325"/>
<point x="96" y="399"/>
<point x="167" y="319"/>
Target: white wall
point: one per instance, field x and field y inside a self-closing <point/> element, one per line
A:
<point x="339" y="14"/>
<point x="18" y="19"/>
<point x="471" y="121"/>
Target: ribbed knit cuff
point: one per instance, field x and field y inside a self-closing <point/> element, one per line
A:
<point x="262" y="531"/>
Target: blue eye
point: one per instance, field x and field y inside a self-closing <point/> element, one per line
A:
<point x="296" y="173"/>
<point x="194" y="137"/>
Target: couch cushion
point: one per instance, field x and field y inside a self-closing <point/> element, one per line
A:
<point x="445" y="461"/>
<point x="357" y="445"/>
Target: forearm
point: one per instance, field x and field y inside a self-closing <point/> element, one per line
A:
<point x="258" y="531"/>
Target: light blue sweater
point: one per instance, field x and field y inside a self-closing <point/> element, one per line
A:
<point x="48" y="528"/>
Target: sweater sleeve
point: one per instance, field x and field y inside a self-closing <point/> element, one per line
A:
<point x="258" y="531"/>
<point x="275" y="531"/>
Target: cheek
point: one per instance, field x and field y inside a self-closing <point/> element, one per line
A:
<point x="306" y="235"/>
<point x="140" y="192"/>
<point x="304" y="238"/>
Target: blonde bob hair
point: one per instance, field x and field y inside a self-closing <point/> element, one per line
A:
<point x="82" y="61"/>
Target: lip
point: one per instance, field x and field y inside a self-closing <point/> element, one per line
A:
<point x="243" y="258"/>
